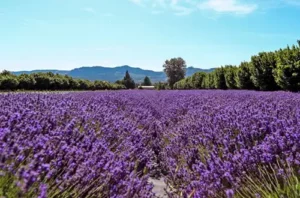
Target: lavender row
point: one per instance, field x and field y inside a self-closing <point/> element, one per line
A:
<point x="79" y="145"/>
<point x="108" y="144"/>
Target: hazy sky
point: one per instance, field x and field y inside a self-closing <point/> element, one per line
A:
<point x="65" y="34"/>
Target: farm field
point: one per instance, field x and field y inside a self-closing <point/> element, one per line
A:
<point x="110" y="144"/>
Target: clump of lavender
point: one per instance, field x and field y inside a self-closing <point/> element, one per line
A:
<point x="107" y="144"/>
<point x="66" y="145"/>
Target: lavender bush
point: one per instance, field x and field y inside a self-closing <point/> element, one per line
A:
<point x="108" y="144"/>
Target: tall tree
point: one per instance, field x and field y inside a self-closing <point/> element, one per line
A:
<point x="128" y="81"/>
<point x="219" y="78"/>
<point x="8" y="82"/>
<point x="230" y="76"/>
<point x="5" y="73"/>
<point x="243" y="76"/>
<point x="26" y="82"/>
<point x="197" y="80"/>
<point x="262" y="68"/>
<point x="188" y="83"/>
<point x="287" y="72"/>
<point x="209" y="81"/>
<point x="43" y="81"/>
<point x="73" y="83"/>
<point x="175" y="70"/>
<point x="147" y="81"/>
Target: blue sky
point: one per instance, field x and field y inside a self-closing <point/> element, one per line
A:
<point x="65" y="34"/>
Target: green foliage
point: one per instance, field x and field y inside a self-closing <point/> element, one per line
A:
<point x="262" y="66"/>
<point x="230" y="76"/>
<point x="118" y="86"/>
<point x="183" y="84"/>
<point x="287" y="72"/>
<point x="161" y="86"/>
<point x="120" y="82"/>
<point x="104" y="85"/>
<point x="147" y="81"/>
<point x="180" y="84"/>
<point x="26" y="82"/>
<point x="175" y="70"/>
<point x="198" y="79"/>
<point x="49" y="81"/>
<point x="56" y="83"/>
<point x="43" y="81"/>
<point x="8" y="187"/>
<point x="5" y="73"/>
<point x="8" y="82"/>
<point x="208" y="82"/>
<point x="85" y="84"/>
<point x="193" y="82"/>
<point x="219" y="78"/>
<point x="243" y="76"/>
<point x="267" y="71"/>
<point x="128" y="81"/>
<point x="270" y="182"/>
<point x="73" y="83"/>
<point x="100" y="85"/>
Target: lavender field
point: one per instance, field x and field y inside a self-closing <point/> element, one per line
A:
<point x="109" y="144"/>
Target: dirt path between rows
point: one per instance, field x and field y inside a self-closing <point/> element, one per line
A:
<point x="159" y="187"/>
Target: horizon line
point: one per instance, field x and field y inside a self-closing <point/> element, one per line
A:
<point x="97" y="66"/>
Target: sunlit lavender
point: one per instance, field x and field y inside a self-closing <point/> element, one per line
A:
<point x="108" y="144"/>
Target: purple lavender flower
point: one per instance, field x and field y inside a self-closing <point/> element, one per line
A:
<point x="43" y="191"/>
<point x="229" y="193"/>
<point x="203" y="142"/>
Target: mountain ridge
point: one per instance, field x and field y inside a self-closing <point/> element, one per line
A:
<point x="113" y="74"/>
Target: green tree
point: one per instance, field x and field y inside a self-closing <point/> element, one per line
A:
<point x="99" y="85"/>
<point x="128" y="81"/>
<point x="56" y="82"/>
<point x="187" y="83"/>
<point x="209" y="81"/>
<point x="8" y="82"/>
<point x="50" y="81"/>
<point x="65" y="82"/>
<point x="26" y="82"/>
<point x="262" y="68"/>
<point x="43" y="81"/>
<point x="178" y="85"/>
<point x="175" y="70"/>
<point x="107" y="85"/>
<point x="219" y="78"/>
<point x="161" y="86"/>
<point x="120" y="82"/>
<point x="243" y="76"/>
<point x="287" y="72"/>
<point x="73" y="83"/>
<point x="198" y="79"/>
<point x="85" y="84"/>
<point x="118" y="86"/>
<point x="5" y="73"/>
<point x="147" y="81"/>
<point x="230" y="76"/>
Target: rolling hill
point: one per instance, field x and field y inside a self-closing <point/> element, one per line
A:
<point x="115" y="73"/>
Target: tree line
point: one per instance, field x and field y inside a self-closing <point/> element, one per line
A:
<point x="129" y="83"/>
<point x="50" y="81"/>
<point x="55" y="82"/>
<point x="266" y="71"/>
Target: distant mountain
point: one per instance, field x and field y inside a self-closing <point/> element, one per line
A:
<point x="113" y="74"/>
<point x="191" y="70"/>
<point x="63" y="72"/>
